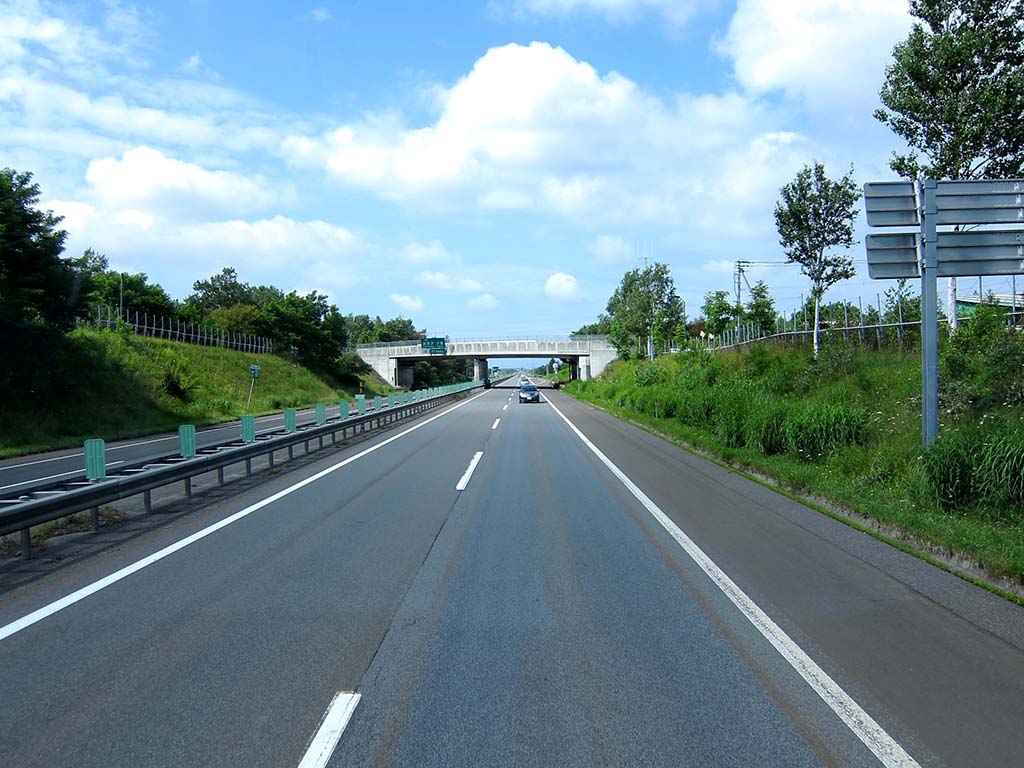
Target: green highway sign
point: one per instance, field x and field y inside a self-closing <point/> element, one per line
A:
<point x="434" y="345"/>
<point x="254" y="371"/>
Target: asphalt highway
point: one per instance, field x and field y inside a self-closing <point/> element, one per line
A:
<point x="505" y="584"/>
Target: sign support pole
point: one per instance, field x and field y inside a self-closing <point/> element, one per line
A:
<point x="929" y="317"/>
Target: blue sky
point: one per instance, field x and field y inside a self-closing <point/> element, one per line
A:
<point x="485" y="168"/>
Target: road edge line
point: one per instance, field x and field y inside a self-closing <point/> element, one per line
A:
<point x="882" y="745"/>
<point x="328" y="733"/>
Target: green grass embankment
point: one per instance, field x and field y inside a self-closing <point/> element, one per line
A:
<point x="847" y="430"/>
<point x="109" y="385"/>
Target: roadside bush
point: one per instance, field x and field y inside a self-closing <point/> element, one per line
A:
<point x="999" y="468"/>
<point x="766" y="424"/>
<point x="730" y="414"/>
<point x="815" y="429"/>
<point x="949" y="467"/>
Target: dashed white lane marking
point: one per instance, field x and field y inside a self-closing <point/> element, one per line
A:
<point x="464" y="480"/>
<point x="504" y="407"/>
<point x="322" y="745"/>
<point x="884" y="747"/>
<point x="497" y="421"/>
<point x="58" y="605"/>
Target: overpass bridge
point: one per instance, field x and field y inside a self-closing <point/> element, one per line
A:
<point x="587" y="356"/>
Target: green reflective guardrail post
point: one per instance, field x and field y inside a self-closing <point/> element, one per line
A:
<point x="377" y="403"/>
<point x="289" y="419"/>
<point x="321" y="414"/>
<point x="95" y="459"/>
<point x="187" y="440"/>
<point x="391" y="400"/>
<point x="361" y="404"/>
<point x="248" y="429"/>
<point x="343" y="409"/>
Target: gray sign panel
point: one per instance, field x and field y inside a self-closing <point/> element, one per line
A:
<point x="982" y="187"/>
<point x="991" y="201"/>
<point x="891" y="204"/>
<point x="892" y="256"/>
<point x="991" y="252"/>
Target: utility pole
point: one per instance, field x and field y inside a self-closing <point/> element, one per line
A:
<point x="120" y="297"/>
<point x="739" y="277"/>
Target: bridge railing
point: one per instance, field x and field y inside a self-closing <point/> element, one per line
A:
<point x="503" y="340"/>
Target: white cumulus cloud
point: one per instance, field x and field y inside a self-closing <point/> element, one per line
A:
<point x="483" y="301"/>
<point x="532" y="128"/>
<point x="447" y="282"/>
<point x="407" y="303"/>
<point x="147" y="179"/>
<point x="562" y="287"/>
<point x="827" y="52"/>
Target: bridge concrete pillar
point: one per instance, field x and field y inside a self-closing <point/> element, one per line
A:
<point x="574" y="368"/>
<point x="584" y="368"/>
<point x="404" y="376"/>
<point x="480" y="369"/>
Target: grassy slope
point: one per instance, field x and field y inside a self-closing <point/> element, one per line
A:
<point x="117" y="386"/>
<point x="878" y="476"/>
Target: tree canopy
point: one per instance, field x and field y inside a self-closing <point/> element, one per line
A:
<point x="37" y="286"/>
<point x="815" y="215"/>
<point x="645" y="303"/>
<point x="955" y="90"/>
<point x="760" y="307"/>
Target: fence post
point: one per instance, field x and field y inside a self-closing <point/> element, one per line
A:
<point x="860" y="308"/>
<point x="899" y="314"/>
<point x="846" y="320"/>
<point x="878" y="328"/>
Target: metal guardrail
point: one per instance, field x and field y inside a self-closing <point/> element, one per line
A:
<point x="45" y="503"/>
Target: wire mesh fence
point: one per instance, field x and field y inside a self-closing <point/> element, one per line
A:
<point x="174" y="329"/>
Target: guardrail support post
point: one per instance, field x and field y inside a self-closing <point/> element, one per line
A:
<point x="95" y="519"/>
<point x="147" y="500"/>
<point x="188" y="487"/>
<point x="220" y="476"/>
<point x="26" y="543"/>
<point x="248" y="467"/>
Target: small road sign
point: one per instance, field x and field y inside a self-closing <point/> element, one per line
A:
<point x="434" y="345"/>
<point x="254" y="371"/>
<point x="891" y="204"/>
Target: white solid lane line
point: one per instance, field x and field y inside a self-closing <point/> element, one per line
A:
<point x="884" y="747"/>
<point x="54" y="477"/>
<point x="464" y="480"/>
<point x="497" y="421"/>
<point x="58" y="605"/>
<point x="322" y="745"/>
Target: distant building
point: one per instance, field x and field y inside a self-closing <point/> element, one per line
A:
<point x="966" y="305"/>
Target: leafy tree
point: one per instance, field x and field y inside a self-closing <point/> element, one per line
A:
<point x="396" y="329"/>
<point x="220" y="290"/>
<point x="37" y="286"/>
<point x="361" y="329"/>
<point x="955" y="90"/>
<point x="815" y="215"/>
<point x="644" y="297"/>
<point x="98" y="284"/>
<point x="296" y="323"/>
<point x="760" y="308"/>
<point x="718" y="310"/>
<point x="955" y="93"/>
<point x="602" y="327"/>
<point x="241" y="318"/>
